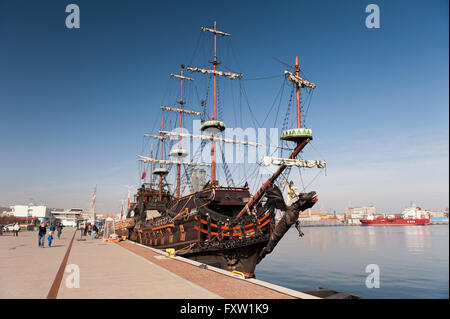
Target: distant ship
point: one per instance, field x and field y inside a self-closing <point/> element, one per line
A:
<point x="411" y="216"/>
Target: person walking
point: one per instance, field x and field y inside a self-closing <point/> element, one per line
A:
<point x="41" y="234"/>
<point x="94" y="231"/>
<point x="50" y="238"/>
<point x="16" y="229"/>
<point x="59" y="230"/>
<point x="52" y="230"/>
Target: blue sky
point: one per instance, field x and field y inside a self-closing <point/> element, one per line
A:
<point x="75" y="104"/>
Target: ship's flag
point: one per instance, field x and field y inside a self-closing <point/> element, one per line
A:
<point x="143" y="175"/>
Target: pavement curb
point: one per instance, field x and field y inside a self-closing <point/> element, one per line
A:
<point x="280" y="289"/>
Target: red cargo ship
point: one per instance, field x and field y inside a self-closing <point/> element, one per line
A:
<point x="411" y="217"/>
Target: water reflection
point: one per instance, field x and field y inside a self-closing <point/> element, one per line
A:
<point x="353" y="237"/>
<point x="417" y="238"/>
<point x="372" y="240"/>
<point x="336" y="257"/>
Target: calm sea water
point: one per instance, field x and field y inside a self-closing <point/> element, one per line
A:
<point x="413" y="260"/>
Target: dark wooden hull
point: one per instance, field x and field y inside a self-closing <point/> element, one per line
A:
<point x="216" y="226"/>
<point x="241" y="259"/>
<point x="200" y="227"/>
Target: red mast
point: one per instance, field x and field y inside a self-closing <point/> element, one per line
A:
<point x="213" y="145"/>
<point x="297" y="72"/>
<point x="301" y="143"/>
<point x="214" y="126"/>
<point x="162" y="157"/>
<point x="151" y="170"/>
<point x="181" y="121"/>
<point x="128" y="200"/>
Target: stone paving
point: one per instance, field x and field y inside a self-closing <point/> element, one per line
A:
<point x="106" y="270"/>
<point x="96" y="269"/>
<point x="109" y="271"/>
<point x="223" y="285"/>
<point x="27" y="270"/>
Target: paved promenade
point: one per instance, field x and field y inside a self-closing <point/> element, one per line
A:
<point x="109" y="270"/>
<point x="27" y="270"/>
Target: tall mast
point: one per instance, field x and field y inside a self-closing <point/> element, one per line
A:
<point x="121" y="210"/>
<point x="213" y="145"/>
<point x="128" y="200"/>
<point x="214" y="126"/>
<point x="181" y="121"/>
<point x="151" y="170"/>
<point x="179" y="153"/>
<point x="94" y="198"/>
<point x="301" y="136"/>
<point x="162" y="157"/>
<point x="297" y="87"/>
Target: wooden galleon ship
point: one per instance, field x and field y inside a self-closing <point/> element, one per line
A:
<point x="222" y="226"/>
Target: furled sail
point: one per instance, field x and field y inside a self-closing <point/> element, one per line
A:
<point x="211" y="138"/>
<point x="181" y="77"/>
<point x="299" y="81"/>
<point x="159" y="137"/>
<point x="231" y="75"/>
<point x="216" y="31"/>
<point x="267" y="160"/>
<point x="174" y="109"/>
<point x="146" y="159"/>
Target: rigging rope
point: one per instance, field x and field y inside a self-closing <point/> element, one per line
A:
<point x="284" y="143"/>
<point x="219" y="104"/>
<point x="205" y="101"/>
<point x="254" y="119"/>
<point x="226" y="169"/>
<point x="311" y="92"/>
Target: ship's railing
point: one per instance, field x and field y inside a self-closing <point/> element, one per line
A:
<point x="216" y="188"/>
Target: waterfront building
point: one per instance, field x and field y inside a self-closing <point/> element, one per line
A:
<point x="313" y="215"/>
<point x="30" y="211"/>
<point x="438" y="217"/>
<point x="68" y="217"/>
<point x="360" y="212"/>
<point x="435" y="213"/>
<point x="313" y="212"/>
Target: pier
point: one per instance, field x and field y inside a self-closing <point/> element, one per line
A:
<point x="123" y="270"/>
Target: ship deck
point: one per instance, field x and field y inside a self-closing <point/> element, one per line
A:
<point x="124" y="270"/>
